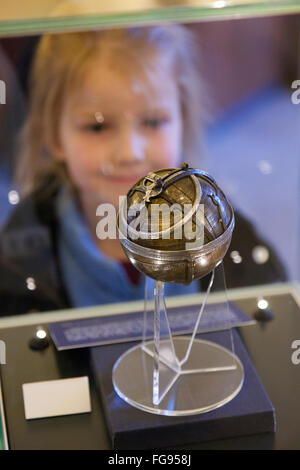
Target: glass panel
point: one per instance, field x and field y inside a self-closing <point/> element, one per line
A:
<point x="55" y="15"/>
<point x="241" y="102"/>
<point x="243" y="106"/>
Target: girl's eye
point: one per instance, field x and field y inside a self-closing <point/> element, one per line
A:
<point x="154" y="123"/>
<point x="96" y="127"/>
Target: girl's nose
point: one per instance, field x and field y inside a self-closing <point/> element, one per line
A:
<point x="130" y="146"/>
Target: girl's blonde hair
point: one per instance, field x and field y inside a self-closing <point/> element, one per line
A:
<point x="62" y="60"/>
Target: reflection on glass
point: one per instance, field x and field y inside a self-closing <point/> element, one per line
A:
<point x="13" y="197"/>
<point x="260" y="254"/>
<point x="93" y="108"/>
<point x="265" y="167"/>
<point x="262" y="304"/>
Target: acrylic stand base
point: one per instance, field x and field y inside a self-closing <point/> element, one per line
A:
<point x="211" y="377"/>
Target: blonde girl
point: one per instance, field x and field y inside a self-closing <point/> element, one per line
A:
<point x="106" y="107"/>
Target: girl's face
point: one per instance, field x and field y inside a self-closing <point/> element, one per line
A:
<point x="115" y="129"/>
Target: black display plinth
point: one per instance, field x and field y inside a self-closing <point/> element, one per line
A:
<point x="250" y="412"/>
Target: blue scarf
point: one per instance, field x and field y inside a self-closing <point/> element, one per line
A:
<point x="91" y="277"/>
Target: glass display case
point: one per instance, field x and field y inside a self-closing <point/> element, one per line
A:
<point x="248" y="119"/>
<point x="54" y="15"/>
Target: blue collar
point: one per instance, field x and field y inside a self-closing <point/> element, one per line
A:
<point x="91" y="277"/>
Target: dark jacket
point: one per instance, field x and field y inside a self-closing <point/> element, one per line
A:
<point x="30" y="278"/>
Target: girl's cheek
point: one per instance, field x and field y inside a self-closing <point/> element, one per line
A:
<point x="170" y="153"/>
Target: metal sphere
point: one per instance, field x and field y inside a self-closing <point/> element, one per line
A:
<point x="176" y="224"/>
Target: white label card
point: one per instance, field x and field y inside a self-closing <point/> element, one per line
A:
<point x="56" y="397"/>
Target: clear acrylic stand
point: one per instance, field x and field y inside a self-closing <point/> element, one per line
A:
<point x="177" y="375"/>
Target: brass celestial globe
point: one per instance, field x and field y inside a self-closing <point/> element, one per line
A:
<point x="176" y="224"/>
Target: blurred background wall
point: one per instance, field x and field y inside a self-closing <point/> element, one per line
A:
<point x="252" y="136"/>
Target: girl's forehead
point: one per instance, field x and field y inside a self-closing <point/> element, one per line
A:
<point x="106" y="84"/>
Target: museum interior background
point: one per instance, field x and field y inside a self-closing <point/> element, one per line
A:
<point x="252" y="134"/>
